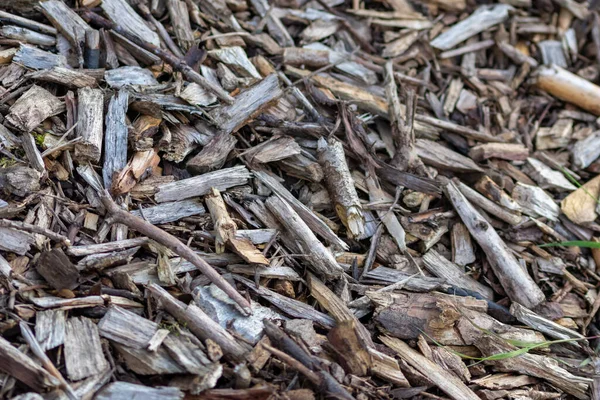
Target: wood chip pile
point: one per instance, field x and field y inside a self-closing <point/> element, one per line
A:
<point x="299" y="199"/>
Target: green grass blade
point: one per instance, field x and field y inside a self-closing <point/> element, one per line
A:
<point x="578" y="243"/>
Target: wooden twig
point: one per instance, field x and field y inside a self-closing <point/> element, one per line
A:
<point x="166" y="56"/>
<point x="5" y="223"/>
<point x="172" y="243"/>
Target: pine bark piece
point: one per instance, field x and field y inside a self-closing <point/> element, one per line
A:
<point x="535" y="202"/>
<point x="180" y="20"/>
<point x="517" y="283"/>
<point x="214" y="154"/>
<point x="64" y="76"/>
<point x="446" y="381"/>
<point x="340" y="186"/>
<point x="128" y="391"/>
<point x="314" y="223"/>
<point x="16" y="364"/>
<point x="19" y="180"/>
<point x="90" y="113"/>
<point x="462" y="246"/>
<point x="439" y="266"/>
<point x="83" y="351"/>
<point x="170" y="212"/>
<point x="483" y="18"/>
<point x="199" y="323"/>
<point x="121" y="13"/>
<point x="115" y="138"/>
<point x="230" y="118"/>
<point x="34" y="58"/>
<point x="33" y="107"/>
<point x="439" y="156"/>
<point x="580" y="205"/>
<point x="200" y="185"/>
<point x="569" y="87"/>
<point x="50" y="328"/>
<point x="505" y="151"/>
<point x="57" y="269"/>
<point x="66" y="21"/>
<point x="320" y="258"/>
<point x="224" y="225"/>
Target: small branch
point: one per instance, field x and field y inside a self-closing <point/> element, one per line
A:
<point x="166" y="56"/>
<point x="5" y="223"/>
<point x="172" y="243"/>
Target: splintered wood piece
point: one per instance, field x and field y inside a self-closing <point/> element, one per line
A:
<point x="535" y="202"/>
<point x="34" y="58"/>
<point x="27" y="35"/>
<point x="200" y="185"/>
<point x="33" y="107"/>
<point x="199" y="323"/>
<point x="289" y="306"/>
<point x="115" y="138"/>
<point x="353" y="353"/>
<point x="224" y="225"/>
<point x="505" y="151"/>
<point x="314" y="222"/>
<point x="320" y="259"/>
<point x="389" y="219"/>
<point x="338" y="309"/>
<point x="569" y="87"/>
<point x="518" y="284"/>
<point x="492" y="191"/>
<point x="439" y="156"/>
<point x="275" y="149"/>
<point x="33" y="154"/>
<point x="462" y="246"/>
<point x="86" y="250"/>
<point x="90" y="113"/>
<point x="57" y="269"/>
<point x="178" y="12"/>
<point x="230" y="118"/>
<point x="539" y="323"/>
<point x="245" y="248"/>
<point x="83" y="351"/>
<point x="340" y="186"/>
<point x="170" y="212"/>
<point x="172" y="243"/>
<point x="137" y="166"/>
<point x="483" y="18"/>
<point x="127" y="391"/>
<point x="488" y="205"/>
<point x="586" y="151"/>
<point x="66" y="21"/>
<point x="213" y="154"/>
<point x="50" y="328"/>
<point x="64" y="76"/>
<point x="18" y="365"/>
<point x="15" y="241"/>
<point x="122" y="14"/>
<point x="446" y="381"/>
<point x="546" y="177"/>
<point x="439" y="266"/>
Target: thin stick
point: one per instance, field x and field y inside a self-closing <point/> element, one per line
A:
<point x="5" y="223"/>
<point x="166" y="56"/>
<point x="172" y="243"/>
<point x="35" y="347"/>
<point x="294" y="364"/>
